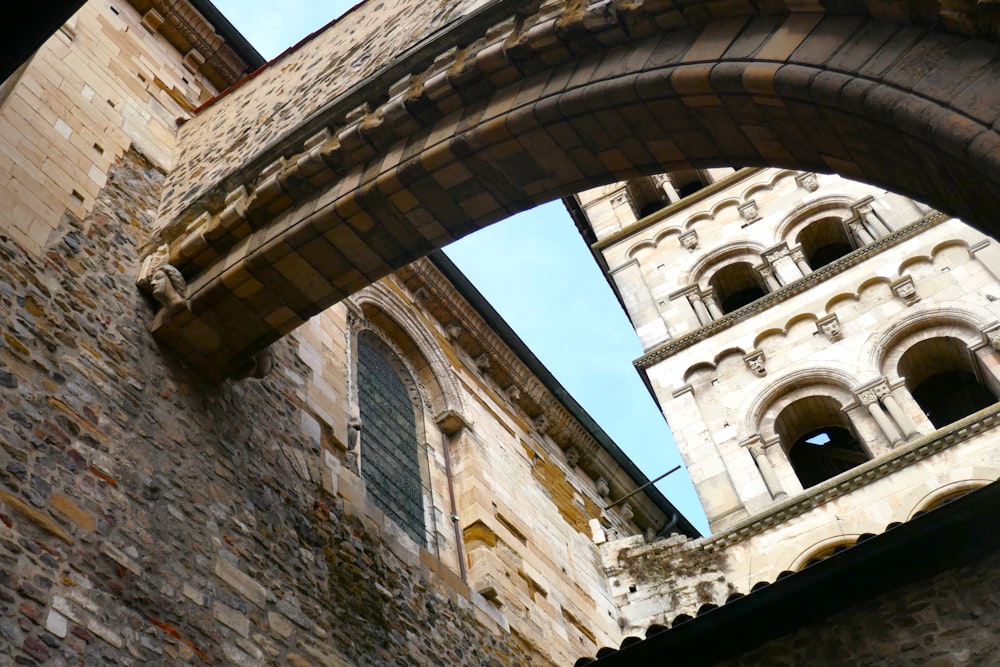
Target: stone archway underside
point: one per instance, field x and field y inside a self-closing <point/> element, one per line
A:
<point x="566" y="99"/>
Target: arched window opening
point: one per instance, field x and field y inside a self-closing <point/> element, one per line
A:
<point x="824" y="241"/>
<point x="819" y="439"/>
<point x="944" y="379"/>
<point x="736" y="285"/>
<point x="948" y="496"/>
<point x="390" y="463"/>
<point x="646" y="197"/>
<point x="689" y="181"/>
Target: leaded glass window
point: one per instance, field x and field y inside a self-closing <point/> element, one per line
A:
<point x="390" y="462"/>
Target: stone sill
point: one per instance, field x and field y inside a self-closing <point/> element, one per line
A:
<point x="787" y="292"/>
<point x="904" y="455"/>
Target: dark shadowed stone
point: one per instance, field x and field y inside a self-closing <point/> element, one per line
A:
<point x="7" y="380"/>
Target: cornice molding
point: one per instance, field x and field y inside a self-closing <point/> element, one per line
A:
<point x="186" y="29"/>
<point x="857" y="477"/>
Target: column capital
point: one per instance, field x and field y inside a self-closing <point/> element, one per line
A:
<point x="776" y="252"/>
<point x="754" y="444"/>
<point x="991" y="334"/>
<point x="872" y="392"/>
<point x="685" y="291"/>
<point x="863" y="206"/>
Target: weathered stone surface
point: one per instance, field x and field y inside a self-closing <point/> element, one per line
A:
<point x="110" y="445"/>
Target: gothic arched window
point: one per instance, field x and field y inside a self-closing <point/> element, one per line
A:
<point x="390" y="459"/>
<point x="819" y="439"/>
<point x="944" y="378"/>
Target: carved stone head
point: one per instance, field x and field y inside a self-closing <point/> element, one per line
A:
<point x="168" y="287"/>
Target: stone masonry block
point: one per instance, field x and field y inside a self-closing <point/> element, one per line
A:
<point x="242" y="583"/>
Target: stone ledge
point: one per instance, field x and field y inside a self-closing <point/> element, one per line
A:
<point x="859" y="476"/>
<point x="801" y="285"/>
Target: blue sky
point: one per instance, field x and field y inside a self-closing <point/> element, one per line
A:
<point x="537" y="272"/>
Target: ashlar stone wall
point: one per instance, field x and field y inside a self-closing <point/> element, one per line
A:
<point x="99" y="85"/>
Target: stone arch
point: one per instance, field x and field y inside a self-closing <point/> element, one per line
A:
<point x="876" y="282"/>
<point x="732" y="351"/>
<point x="713" y="213"/>
<point x="718" y="258"/>
<point x="942" y="486"/>
<point x="756" y="188"/>
<point x="837" y="381"/>
<point x="941" y="359"/>
<point x="807" y="413"/>
<point x="558" y="102"/>
<point x="783" y="330"/>
<point x="667" y="233"/>
<point x="809" y="211"/>
<point x="823" y="549"/>
<point x="699" y="367"/>
<point x="408" y="330"/>
<point x="882" y="350"/>
<point x="648" y="243"/>
<point x="934" y="254"/>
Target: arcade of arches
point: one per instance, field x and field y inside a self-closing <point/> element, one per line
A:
<point x="940" y="373"/>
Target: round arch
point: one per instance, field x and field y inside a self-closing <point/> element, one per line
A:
<point x="880" y="353"/>
<point x="720" y="257"/>
<point x="400" y="323"/>
<point x="784" y="389"/>
<point x="564" y="103"/>
<point x="946" y="493"/>
<point x="809" y="211"/>
<point x="822" y="549"/>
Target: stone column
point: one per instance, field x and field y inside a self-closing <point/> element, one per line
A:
<point x="858" y="228"/>
<point x="772" y="283"/>
<point x="800" y="261"/>
<point x="877" y="224"/>
<point x="685" y="315"/>
<point x="713" y="305"/>
<point x="699" y="308"/>
<point x="902" y="419"/>
<point x="759" y="453"/>
<point x="869" y="399"/>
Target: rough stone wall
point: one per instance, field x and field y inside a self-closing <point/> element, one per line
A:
<point x="655" y="583"/>
<point x="147" y="519"/>
<point x="951" y="619"/>
<point x="236" y="129"/>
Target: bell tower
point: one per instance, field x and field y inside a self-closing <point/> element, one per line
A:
<point x="824" y="351"/>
